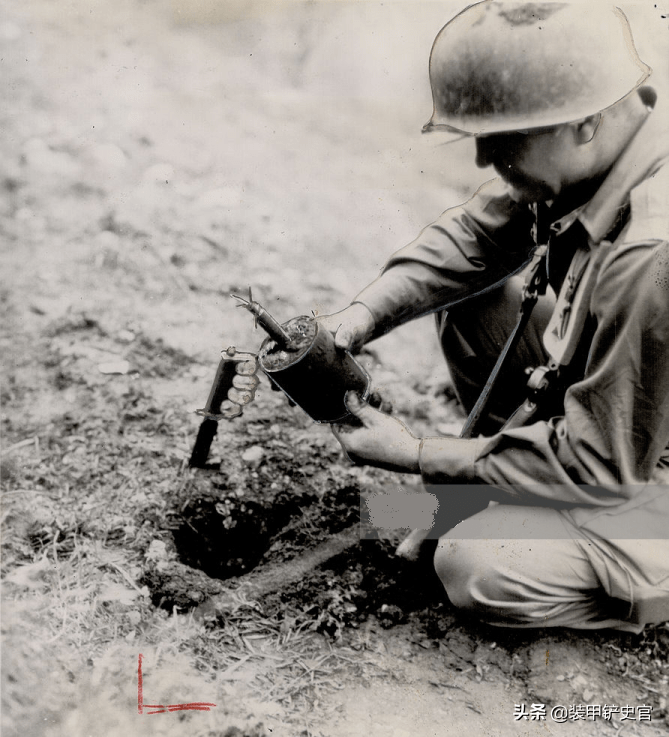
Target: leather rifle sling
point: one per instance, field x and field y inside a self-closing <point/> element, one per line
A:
<point x="535" y="285"/>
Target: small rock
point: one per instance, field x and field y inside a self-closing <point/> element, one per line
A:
<point x="390" y="615"/>
<point x="579" y="682"/>
<point x="114" y="367"/>
<point x="157" y="551"/>
<point x="254" y="454"/>
<point x="127" y="336"/>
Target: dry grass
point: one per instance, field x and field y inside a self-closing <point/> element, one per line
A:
<point x="150" y="170"/>
<point x="76" y="626"/>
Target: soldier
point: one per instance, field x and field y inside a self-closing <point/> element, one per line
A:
<point x="577" y="533"/>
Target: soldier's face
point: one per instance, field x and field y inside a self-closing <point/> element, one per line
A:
<point x="534" y="164"/>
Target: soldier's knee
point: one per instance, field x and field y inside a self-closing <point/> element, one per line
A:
<point x="464" y="573"/>
<point x="479" y="576"/>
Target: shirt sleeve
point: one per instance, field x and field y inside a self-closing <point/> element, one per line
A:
<point x="468" y="250"/>
<point x="615" y="428"/>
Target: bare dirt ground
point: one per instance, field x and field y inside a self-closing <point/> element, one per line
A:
<point x="155" y="159"/>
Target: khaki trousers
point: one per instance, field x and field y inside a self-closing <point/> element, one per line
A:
<point x="518" y="566"/>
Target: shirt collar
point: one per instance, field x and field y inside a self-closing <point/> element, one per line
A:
<point x="646" y="150"/>
<point x="566" y="221"/>
<point x="641" y="157"/>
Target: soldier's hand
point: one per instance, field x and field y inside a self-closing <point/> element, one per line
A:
<point x="352" y="327"/>
<point x="377" y="439"/>
<point x="243" y="389"/>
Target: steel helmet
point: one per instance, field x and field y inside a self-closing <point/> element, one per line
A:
<point x="503" y="66"/>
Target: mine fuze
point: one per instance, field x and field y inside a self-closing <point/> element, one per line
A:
<point x="300" y="358"/>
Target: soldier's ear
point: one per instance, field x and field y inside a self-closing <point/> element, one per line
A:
<point x="586" y="129"/>
<point x="648" y="97"/>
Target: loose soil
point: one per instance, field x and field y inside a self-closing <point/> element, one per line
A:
<point x="301" y="331"/>
<point x="156" y="160"/>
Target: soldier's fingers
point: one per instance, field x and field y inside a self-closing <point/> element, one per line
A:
<point x="344" y="338"/>
<point x="247" y="368"/>
<point x="230" y="409"/>
<point x="245" y="382"/>
<point x="240" y="397"/>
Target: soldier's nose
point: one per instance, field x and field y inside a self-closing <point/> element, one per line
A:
<point x="486" y="149"/>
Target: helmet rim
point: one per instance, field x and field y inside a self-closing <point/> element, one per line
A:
<point x="556" y="71"/>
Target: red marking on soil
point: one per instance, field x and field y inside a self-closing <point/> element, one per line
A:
<point x="140" y="686"/>
<point x="164" y="708"/>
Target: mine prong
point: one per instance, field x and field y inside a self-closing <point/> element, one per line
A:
<point x="267" y="322"/>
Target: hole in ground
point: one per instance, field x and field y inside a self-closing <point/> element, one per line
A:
<point x="238" y="520"/>
<point x="227" y="538"/>
<point x="225" y="535"/>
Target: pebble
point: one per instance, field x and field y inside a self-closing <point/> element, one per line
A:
<point x="115" y="367"/>
<point x="127" y="336"/>
<point x="157" y="551"/>
<point x="254" y="454"/>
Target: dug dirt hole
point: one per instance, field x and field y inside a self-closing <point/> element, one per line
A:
<point x="276" y="547"/>
<point x="232" y="521"/>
